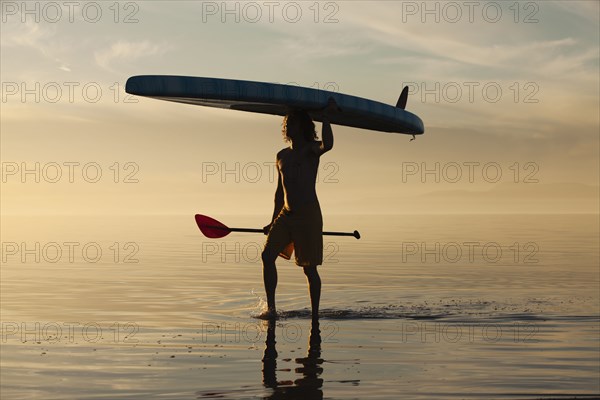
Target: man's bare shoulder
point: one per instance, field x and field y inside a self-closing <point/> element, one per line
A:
<point x="282" y="152"/>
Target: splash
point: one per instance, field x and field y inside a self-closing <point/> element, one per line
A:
<point x="261" y="306"/>
<point x="446" y="309"/>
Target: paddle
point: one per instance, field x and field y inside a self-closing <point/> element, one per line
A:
<point x="211" y="228"/>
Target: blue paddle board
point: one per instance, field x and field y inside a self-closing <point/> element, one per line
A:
<point x="277" y="99"/>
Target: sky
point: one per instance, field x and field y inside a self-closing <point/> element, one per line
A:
<point x="508" y="92"/>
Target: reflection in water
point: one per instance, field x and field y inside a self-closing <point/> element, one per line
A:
<point x="310" y="384"/>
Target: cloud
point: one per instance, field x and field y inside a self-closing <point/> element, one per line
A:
<point x="589" y="10"/>
<point x="445" y="48"/>
<point x="312" y="48"/>
<point x="128" y="52"/>
<point x="578" y="65"/>
<point x="28" y="34"/>
<point x="479" y="49"/>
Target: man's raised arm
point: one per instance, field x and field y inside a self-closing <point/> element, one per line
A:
<point x="327" y="132"/>
<point x="327" y="135"/>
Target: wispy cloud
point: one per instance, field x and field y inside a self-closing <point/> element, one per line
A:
<point x="446" y="48"/>
<point x="313" y="49"/>
<point x="127" y="52"/>
<point x="28" y="34"/>
<point x="590" y="10"/>
<point x="496" y="49"/>
<point x="41" y="38"/>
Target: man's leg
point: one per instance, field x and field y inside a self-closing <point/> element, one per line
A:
<point x="270" y="280"/>
<point x="314" y="288"/>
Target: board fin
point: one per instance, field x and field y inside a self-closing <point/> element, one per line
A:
<point x="403" y="98"/>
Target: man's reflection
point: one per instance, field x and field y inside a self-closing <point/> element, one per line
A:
<point x="310" y="384"/>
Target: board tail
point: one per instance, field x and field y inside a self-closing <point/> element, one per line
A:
<point x="403" y="98"/>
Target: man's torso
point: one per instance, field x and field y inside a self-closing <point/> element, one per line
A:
<point x="298" y="169"/>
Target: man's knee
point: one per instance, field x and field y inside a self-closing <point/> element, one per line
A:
<point x="311" y="271"/>
<point x="268" y="257"/>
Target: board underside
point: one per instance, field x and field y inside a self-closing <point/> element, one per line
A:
<point x="275" y="99"/>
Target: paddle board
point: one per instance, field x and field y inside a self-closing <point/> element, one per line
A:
<point x="277" y="99"/>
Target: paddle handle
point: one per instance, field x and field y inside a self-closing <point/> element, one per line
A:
<point x="250" y="230"/>
<point x="354" y="234"/>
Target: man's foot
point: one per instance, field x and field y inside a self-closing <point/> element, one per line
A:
<point x="269" y="314"/>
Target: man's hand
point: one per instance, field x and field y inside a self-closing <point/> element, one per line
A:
<point x="267" y="228"/>
<point x="331" y="108"/>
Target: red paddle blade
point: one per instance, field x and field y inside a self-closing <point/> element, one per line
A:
<point x="211" y="228"/>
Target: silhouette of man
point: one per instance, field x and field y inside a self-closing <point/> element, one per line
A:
<point x="297" y="224"/>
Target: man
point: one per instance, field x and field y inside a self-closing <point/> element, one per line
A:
<point x="297" y="223"/>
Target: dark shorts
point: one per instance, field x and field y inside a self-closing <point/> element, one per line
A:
<point x="300" y="231"/>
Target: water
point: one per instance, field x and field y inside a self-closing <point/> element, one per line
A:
<point x="502" y="306"/>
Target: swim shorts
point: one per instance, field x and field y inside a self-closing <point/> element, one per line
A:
<point x="300" y="230"/>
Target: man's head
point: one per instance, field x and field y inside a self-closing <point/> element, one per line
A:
<point x="298" y="124"/>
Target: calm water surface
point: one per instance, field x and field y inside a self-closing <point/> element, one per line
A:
<point x="473" y="306"/>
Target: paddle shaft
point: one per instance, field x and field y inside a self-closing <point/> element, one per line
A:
<point x="254" y="230"/>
